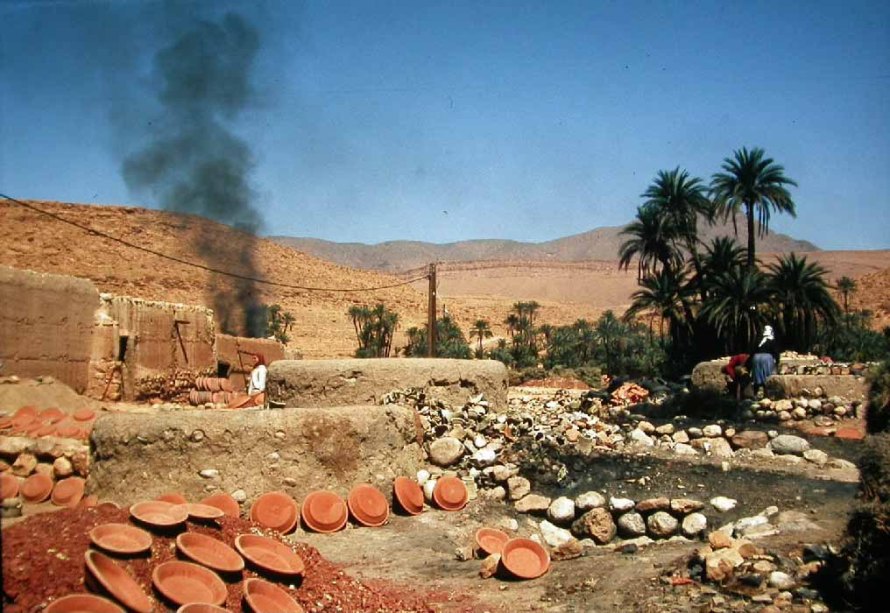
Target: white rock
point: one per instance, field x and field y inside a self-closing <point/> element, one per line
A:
<point x="621" y="505"/>
<point x="590" y="500"/>
<point x="816" y="456"/>
<point x="661" y="524"/>
<point x="239" y="496"/>
<point x="631" y="524"/>
<point x="484" y="457"/>
<point x="518" y="487"/>
<point x="646" y="427"/>
<point x="694" y="524"/>
<point x="428" y="487"/>
<point x="665" y="429"/>
<point x="684" y="449"/>
<point x="423" y="476"/>
<point x="446" y="451"/>
<point x="561" y="510"/>
<point x="555" y="536"/>
<point x="723" y="504"/>
<point x="780" y="580"/>
<point x="712" y="430"/>
<point x="638" y="437"/>
<point x="789" y="444"/>
<point x="209" y="473"/>
<point x="479" y="441"/>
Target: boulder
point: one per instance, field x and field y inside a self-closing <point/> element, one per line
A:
<point x="789" y="444"/>
<point x="694" y="524"/>
<point x="661" y="524"/>
<point x="631" y="525"/>
<point x="596" y="524"/>
<point x="708" y="376"/>
<point x="446" y="451"/>
<point x="561" y="511"/>
<point x="750" y="439"/>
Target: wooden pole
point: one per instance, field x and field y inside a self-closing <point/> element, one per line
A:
<point x="431" y="314"/>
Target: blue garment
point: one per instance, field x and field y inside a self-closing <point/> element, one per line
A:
<point x="763" y="365"/>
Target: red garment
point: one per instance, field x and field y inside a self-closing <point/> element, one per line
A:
<point x="736" y="360"/>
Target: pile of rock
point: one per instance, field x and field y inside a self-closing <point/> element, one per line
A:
<point x="56" y="458"/>
<point x="794" y="366"/>
<point x="825" y="411"/>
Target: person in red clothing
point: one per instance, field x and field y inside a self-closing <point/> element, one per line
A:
<point x="738" y="373"/>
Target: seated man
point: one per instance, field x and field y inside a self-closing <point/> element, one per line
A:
<point x="738" y="373"/>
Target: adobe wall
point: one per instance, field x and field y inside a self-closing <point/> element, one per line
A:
<point x="237" y="352"/>
<point x="46" y="325"/>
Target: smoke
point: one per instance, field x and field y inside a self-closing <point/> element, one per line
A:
<point x="194" y="163"/>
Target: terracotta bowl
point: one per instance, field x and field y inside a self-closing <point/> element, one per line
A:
<point x="368" y="505"/>
<point x="83" y="414"/>
<point x="203" y="512"/>
<point x="27" y="410"/>
<point x="277" y="511"/>
<point x="225" y="503"/>
<point x="68" y="492"/>
<point x="491" y="540"/>
<point x="209" y="552"/>
<point x="36" y="488"/>
<point x="82" y="603"/>
<point x="200" y="607"/>
<point x="525" y="559"/>
<point x="184" y="583"/>
<point x="66" y="429"/>
<point x="409" y="495"/>
<point x="172" y="498"/>
<point x="450" y="494"/>
<point x="45" y="430"/>
<point x="269" y="554"/>
<point x="89" y="501"/>
<point x="9" y="485"/>
<point x="6" y="423"/>
<point x="265" y="597"/>
<point x="117" y="582"/>
<point x="52" y="415"/>
<point x="159" y="513"/>
<point x="122" y="539"/>
<point x="324" y="511"/>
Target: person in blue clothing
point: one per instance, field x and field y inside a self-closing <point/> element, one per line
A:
<point x="764" y="360"/>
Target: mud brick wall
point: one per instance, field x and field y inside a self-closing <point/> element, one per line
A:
<point x="234" y="350"/>
<point x="46" y="325"/>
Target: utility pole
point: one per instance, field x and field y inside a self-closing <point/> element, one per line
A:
<point x="431" y="314"/>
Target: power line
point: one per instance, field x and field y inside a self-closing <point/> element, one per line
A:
<point x="202" y="266"/>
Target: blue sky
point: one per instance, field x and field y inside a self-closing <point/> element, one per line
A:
<point x="443" y="121"/>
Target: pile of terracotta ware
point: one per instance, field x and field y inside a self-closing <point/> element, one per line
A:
<point x="519" y="558"/>
<point x="31" y="422"/>
<point x="40" y="487"/>
<point x="214" y="390"/>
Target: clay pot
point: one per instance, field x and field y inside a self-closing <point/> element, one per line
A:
<point x="491" y="540"/>
<point x="117" y="582"/>
<point x="277" y="511"/>
<point x="122" y="539"/>
<point x="269" y="555"/>
<point x="212" y="384"/>
<point x="184" y="583"/>
<point x="68" y="492"/>
<point x="199" y="383"/>
<point x="159" y="513"/>
<point x="83" y="414"/>
<point x="525" y="559"/>
<point x="200" y="607"/>
<point x="226" y="385"/>
<point x="36" y="488"/>
<point x="80" y="603"/>
<point x="225" y="503"/>
<point x="9" y="486"/>
<point x="368" y="505"/>
<point x="209" y="552"/>
<point x="450" y="494"/>
<point x="409" y="495"/>
<point x="265" y="597"/>
<point x="172" y="498"/>
<point x="324" y="511"/>
<point x="202" y="512"/>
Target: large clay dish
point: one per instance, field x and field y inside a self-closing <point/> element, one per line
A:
<point x="409" y="495"/>
<point x="158" y="513"/>
<point x="269" y="554"/>
<point x="68" y="492"/>
<point x="36" y="488"/>
<point x="82" y="603"/>
<point x="52" y="415"/>
<point x="368" y="505"/>
<point x="172" y="498"/>
<point x="276" y="511"/>
<point x="9" y="485"/>
<point x="225" y="503"/>
<point x="491" y="540"/>
<point x="525" y="559"/>
<point x="265" y="597"/>
<point x="324" y="511"/>
<point x="209" y="552"/>
<point x="117" y="582"/>
<point x="202" y="511"/>
<point x="450" y="494"/>
<point x="185" y="583"/>
<point x="200" y="607"/>
<point x="121" y="538"/>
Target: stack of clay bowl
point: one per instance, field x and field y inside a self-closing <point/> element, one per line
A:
<point x="216" y="390"/>
<point x="518" y="558"/>
<point x="34" y="423"/>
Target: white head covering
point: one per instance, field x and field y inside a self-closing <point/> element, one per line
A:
<point x="767" y="335"/>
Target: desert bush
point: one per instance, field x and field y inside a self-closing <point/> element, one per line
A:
<point x="450" y="341"/>
<point x="852" y="339"/>
<point x="878" y="417"/>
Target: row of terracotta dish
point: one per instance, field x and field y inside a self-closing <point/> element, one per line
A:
<point x="29" y="421"/>
<point x="213" y="384"/>
<point x="522" y="558"/>
<point x="40" y="487"/>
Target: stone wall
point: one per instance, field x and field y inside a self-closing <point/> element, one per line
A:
<point x="237" y="352"/>
<point x="46" y="325"/>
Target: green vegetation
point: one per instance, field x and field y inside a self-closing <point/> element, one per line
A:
<point x="278" y="323"/>
<point x="374" y="329"/>
<point x="450" y="341"/>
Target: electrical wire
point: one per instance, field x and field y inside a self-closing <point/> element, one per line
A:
<point x="202" y="266"/>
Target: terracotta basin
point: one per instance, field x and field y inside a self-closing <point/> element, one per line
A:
<point x="409" y="495"/>
<point x="324" y="511"/>
<point x="36" y="488"/>
<point x="450" y="494"/>
<point x="30" y="428"/>
<point x="196" y="510"/>
<point x="209" y="552"/>
<point x="45" y="430"/>
<point x="172" y="498"/>
<point x="67" y="430"/>
<point x="200" y="607"/>
<point x="269" y="554"/>
<point x="491" y="540"/>
<point x="9" y="485"/>
<point x="277" y="511"/>
<point x="121" y="538"/>
<point x="52" y="415"/>
<point x="68" y="492"/>
<point x="525" y="559"/>
<point x="265" y="597"/>
<point x="159" y="513"/>
<point x="368" y="505"/>
<point x="83" y="414"/>
<point x="28" y="411"/>
<point x="184" y="583"/>
<point x="117" y="582"/>
<point x="225" y="503"/>
<point x="82" y="603"/>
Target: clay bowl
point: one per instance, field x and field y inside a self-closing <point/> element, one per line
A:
<point x="82" y="603"/>
<point x="225" y="503"/>
<point x="117" y="582"/>
<point x="269" y="554"/>
<point x="409" y="495"/>
<point x="324" y="511"/>
<point x="83" y="414"/>
<point x="265" y="597"/>
<point x="45" y="430"/>
<point x="122" y="539"/>
<point x="36" y="488"/>
<point x="525" y="559"/>
<point x="200" y="607"/>
<point x="28" y="410"/>
<point x="450" y="494"/>
<point x="184" y="583"/>
<point x="9" y="485"/>
<point x="68" y="492"/>
<point x="203" y="512"/>
<point x="5" y="423"/>
<point x="172" y="498"/>
<point x="275" y="510"/>
<point x="51" y="415"/>
<point x="159" y="513"/>
<point x="368" y="505"/>
<point x="491" y="540"/>
<point x="89" y="501"/>
<point x="209" y="552"/>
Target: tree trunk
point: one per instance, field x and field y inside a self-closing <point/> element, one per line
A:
<point x="749" y="212"/>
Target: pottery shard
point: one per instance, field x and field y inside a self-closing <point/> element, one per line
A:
<point x="446" y="451"/>
<point x="661" y="524"/>
<point x="720" y="565"/>
<point x="682" y="506"/>
<point x="631" y="525"/>
<point x="24" y="465"/>
<point x="533" y="503"/>
<point x="789" y="444"/>
<point x="519" y="487"/>
<point x="750" y="439"/>
<point x="596" y="524"/>
<point x="653" y="504"/>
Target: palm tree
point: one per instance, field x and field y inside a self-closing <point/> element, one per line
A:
<point x="651" y="242"/>
<point x="735" y="306"/>
<point x="667" y="295"/>
<point x="801" y="293"/>
<point x="481" y="329"/>
<point x="846" y="286"/>
<point x="753" y="183"/>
